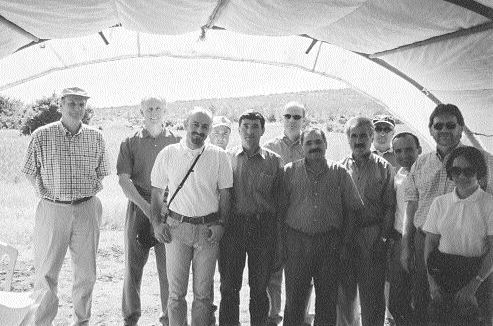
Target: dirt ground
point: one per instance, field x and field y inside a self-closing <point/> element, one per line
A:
<point x="106" y="306"/>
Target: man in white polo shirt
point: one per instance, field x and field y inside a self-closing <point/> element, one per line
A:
<point x="196" y="216"/>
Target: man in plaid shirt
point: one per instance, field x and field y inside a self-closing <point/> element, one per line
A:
<point x="66" y="162"/>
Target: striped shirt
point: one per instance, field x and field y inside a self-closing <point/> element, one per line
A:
<point x="65" y="166"/>
<point x="428" y="180"/>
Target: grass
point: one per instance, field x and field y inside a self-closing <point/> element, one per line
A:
<point x="18" y="204"/>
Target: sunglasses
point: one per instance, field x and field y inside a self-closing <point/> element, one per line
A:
<point x="456" y="171"/>
<point x="294" y="116"/>
<point x="448" y="125"/>
<point x="384" y="129"/>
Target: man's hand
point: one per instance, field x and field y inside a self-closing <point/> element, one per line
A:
<point x="162" y="232"/>
<point x="215" y="233"/>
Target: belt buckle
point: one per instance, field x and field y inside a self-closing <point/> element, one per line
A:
<point x="181" y="218"/>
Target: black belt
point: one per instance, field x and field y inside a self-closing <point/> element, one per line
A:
<point x="70" y="202"/>
<point x="212" y="217"/>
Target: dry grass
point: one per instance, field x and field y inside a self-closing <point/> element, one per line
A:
<point x="17" y="207"/>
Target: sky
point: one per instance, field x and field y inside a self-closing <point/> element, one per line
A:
<point x="125" y="82"/>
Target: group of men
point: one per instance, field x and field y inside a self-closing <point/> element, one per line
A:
<point x="325" y="225"/>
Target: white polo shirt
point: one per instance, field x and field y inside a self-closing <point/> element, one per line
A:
<point x="200" y="193"/>
<point x="401" y="204"/>
<point x="463" y="224"/>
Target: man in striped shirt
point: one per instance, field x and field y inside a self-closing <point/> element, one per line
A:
<point x="426" y="181"/>
<point x="66" y="162"/>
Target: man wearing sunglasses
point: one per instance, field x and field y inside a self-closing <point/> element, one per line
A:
<point x="427" y="180"/>
<point x="382" y="142"/>
<point x="287" y="146"/>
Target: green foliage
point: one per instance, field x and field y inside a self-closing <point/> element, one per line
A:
<point x="44" y="111"/>
<point x="10" y="113"/>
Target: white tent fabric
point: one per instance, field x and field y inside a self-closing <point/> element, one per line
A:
<point x="445" y="47"/>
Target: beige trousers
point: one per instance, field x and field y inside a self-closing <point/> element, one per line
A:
<point x="58" y="227"/>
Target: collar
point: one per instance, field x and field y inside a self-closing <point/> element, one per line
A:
<point x="443" y="159"/>
<point x="147" y="134"/>
<point x="260" y="151"/>
<point x="308" y="169"/>
<point x="289" y="142"/>
<point x="67" y="132"/>
<point x="183" y="144"/>
<point x="376" y="151"/>
<point x="472" y="198"/>
<point x="365" y="157"/>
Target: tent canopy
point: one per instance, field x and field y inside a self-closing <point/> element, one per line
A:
<point x="444" y="48"/>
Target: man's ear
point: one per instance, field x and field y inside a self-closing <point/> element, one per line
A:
<point x="420" y="150"/>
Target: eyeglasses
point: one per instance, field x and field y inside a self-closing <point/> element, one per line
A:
<point x="456" y="171"/>
<point x="448" y="125"/>
<point x="384" y="129"/>
<point x="294" y="116"/>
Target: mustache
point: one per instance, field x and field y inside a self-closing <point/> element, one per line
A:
<point x="315" y="150"/>
<point x="359" y="145"/>
<point x="198" y="134"/>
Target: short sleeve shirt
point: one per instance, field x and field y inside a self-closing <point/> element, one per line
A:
<point x="138" y="153"/>
<point x="200" y="193"/>
<point x="317" y="203"/>
<point x="401" y="205"/>
<point x="463" y="224"/>
<point x="428" y="179"/>
<point x="66" y="166"/>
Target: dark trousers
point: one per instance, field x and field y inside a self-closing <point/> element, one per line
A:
<point x="400" y="285"/>
<point x="311" y="257"/>
<point x="135" y="259"/>
<point x="366" y="276"/>
<point x="254" y="236"/>
<point x="420" y="291"/>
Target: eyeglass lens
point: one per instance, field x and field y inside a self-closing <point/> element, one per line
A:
<point x="384" y="129"/>
<point x="448" y="125"/>
<point x="468" y="172"/>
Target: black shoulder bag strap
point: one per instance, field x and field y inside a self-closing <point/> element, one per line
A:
<point x="185" y="177"/>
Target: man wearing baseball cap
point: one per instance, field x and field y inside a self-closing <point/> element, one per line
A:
<point x="221" y="130"/>
<point x="382" y="142"/>
<point x="66" y="162"/>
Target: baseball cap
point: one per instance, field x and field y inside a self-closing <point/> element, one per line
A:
<point x="384" y="118"/>
<point x="75" y="91"/>
<point x="221" y="120"/>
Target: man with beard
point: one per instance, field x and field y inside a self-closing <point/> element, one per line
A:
<point x="65" y="162"/>
<point x="322" y="201"/>
<point x="252" y="228"/>
<point x="374" y="178"/>
<point x="427" y="180"/>
<point x="135" y="161"/>
<point x="287" y="146"/>
<point x="196" y="216"/>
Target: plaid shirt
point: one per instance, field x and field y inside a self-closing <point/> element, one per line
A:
<point x="66" y="166"/>
<point x="428" y="180"/>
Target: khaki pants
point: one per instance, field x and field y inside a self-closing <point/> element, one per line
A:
<point x="58" y="227"/>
